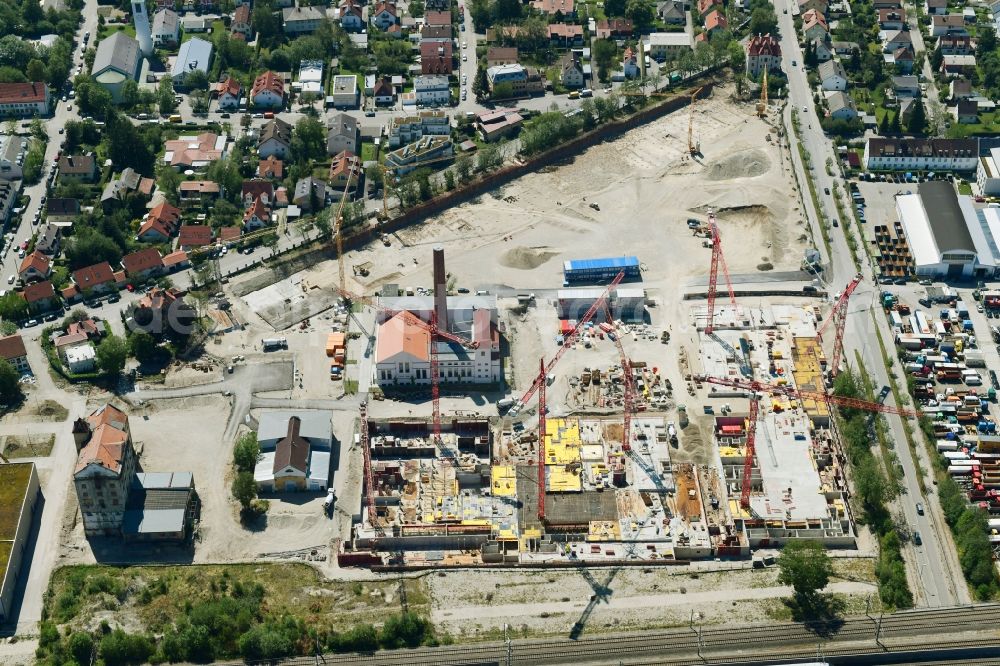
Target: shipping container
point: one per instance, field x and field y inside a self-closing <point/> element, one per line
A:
<point x="270" y="344"/>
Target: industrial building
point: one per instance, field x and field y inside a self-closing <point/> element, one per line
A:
<point x="947" y="236"/>
<point x="626" y="304"/>
<point x="18" y="497"/>
<point x="295" y="451"/>
<point x="599" y="271"/>
<point x="403" y="346"/>
<point x="988" y="173"/>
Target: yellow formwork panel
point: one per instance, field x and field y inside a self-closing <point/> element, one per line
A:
<point x="562" y="480"/>
<point x="503" y="481"/>
<point x="562" y="441"/>
<point x="602" y="530"/>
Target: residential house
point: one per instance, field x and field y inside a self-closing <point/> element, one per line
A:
<point x="82" y="168"/>
<point x="431" y="89"/>
<point x="160" y="311"/>
<point x="311" y="77"/>
<point x="661" y="46"/>
<point x="412" y="156"/>
<point x="268" y="91"/>
<point x="523" y="81"/>
<point x="823" y="48"/>
<point x="160" y="223"/>
<point x="40" y="296"/>
<point x="117" y="60"/>
<point x="615" y="28"/>
<point x="228" y="92"/>
<point x="343" y="134"/>
<point x="271" y="168"/>
<point x="903" y="59"/>
<point x="494" y="125"/>
<point x="501" y="55"/>
<point x="275" y="139"/>
<point x="959" y="89"/>
<point x="105" y="468"/>
<point x="194" y="152"/>
<point x="257" y="189"/>
<point x="832" y="75"/>
<point x="966" y="112"/>
<point x="351" y="16"/>
<point x="763" y="54"/>
<point x="566" y="35"/>
<point x="958" y="65"/>
<point x="49" y="240"/>
<point x="177" y="260"/>
<point x="12" y="350"/>
<point x="882" y="154"/>
<point x="195" y="55"/>
<point x="301" y="20"/>
<point x="435" y="33"/>
<point x="438" y="17"/>
<point x="571" y="73"/>
<point x="166" y="29"/>
<point x="845" y="48"/>
<point x="345" y="175"/>
<point x="23" y="100"/>
<point x="310" y="194"/>
<point x="841" y="106"/>
<point x="630" y="64"/>
<point x="10" y="190"/>
<point x="384" y="15"/>
<point x="715" y="22"/>
<point x="436" y="58"/>
<point x="203" y="193"/>
<point x="229" y="235"/>
<point x="193" y="236"/>
<point x="257" y="216"/>
<point x="894" y="40"/>
<point x="814" y="25"/>
<point x="936" y="7"/>
<point x="12" y="154"/>
<point x="672" y="12"/>
<point x="383" y="93"/>
<point x="886" y="4"/>
<point x="556" y="8"/>
<point x="62" y="210"/>
<point x="408" y="129"/>
<point x="295" y="452"/>
<point x="906" y="86"/>
<point x="892" y="19"/>
<point x="142" y="264"/>
<point x="35" y="266"/>
<point x="706" y="7"/>
<point x="949" y="23"/>
<point x="953" y="44"/>
<point x="345" y="92"/>
<point x="97" y="278"/>
<point x="242" y="23"/>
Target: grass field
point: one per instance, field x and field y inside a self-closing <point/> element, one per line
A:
<point x="28" y="446"/>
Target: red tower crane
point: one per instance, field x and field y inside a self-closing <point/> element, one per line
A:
<point x="713" y="276"/>
<point x="541" y="441"/>
<point x="756" y="388"/>
<point x="838" y="315"/>
<point x="628" y="386"/>
<point x="567" y="343"/>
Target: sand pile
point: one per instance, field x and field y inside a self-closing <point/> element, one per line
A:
<point x="744" y="164"/>
<point x="525" y="258"/>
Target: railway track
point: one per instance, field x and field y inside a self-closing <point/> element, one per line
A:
<point x="906" y="631"/>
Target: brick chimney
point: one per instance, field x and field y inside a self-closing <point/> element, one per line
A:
<point x="440" y="289"/>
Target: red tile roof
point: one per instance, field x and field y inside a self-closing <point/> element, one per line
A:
<point x="256" y="188"/>
<point x="763" y="45"/>
<point x="38" y="291"/>
<point x="553" y="6"/>
<point x="163" y="218"/>
<point x="93" y="276"/>
<point x="257" y="209"/>
<point x="201" y="186"/>
<point x="437" y="18"/>
<point x="268" y="81"/>
<point x="141" y="261"/>
<point x="230" y="85"/>
<point x="22" y="93"/>
<point x="36" y="260"/>
<point x="194" y="235"/>
<point x="230" y="233"/>
<point x="716" y="20"/>
<point x="272" y="167"/>
<point x="12" y="347"/>
<point x="175" y="258"/>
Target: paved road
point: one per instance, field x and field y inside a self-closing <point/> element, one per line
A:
<point x="936" y="113"/>
<point x="935" y="575"/>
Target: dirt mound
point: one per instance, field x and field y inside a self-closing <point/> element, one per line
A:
<point x="744" y="164"/>
<point x="525" y="258"/>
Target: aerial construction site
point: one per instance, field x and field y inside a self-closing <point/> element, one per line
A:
<point x="631" y="369"/>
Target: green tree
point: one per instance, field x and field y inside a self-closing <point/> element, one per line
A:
<point x="918" y="118"/>
<point x="13" y="307"/>
<point x="165" y="96"/>
<point x="10" y="387"/>
<point x="169" y="181"/>
<point x="266" y="23"/>
<point x="449" y="180"/>
<point x="614" y="7"/>
<point x="480" y="86"/>
<point x="142" y="346"/>
<point x="463" y="167"/>
<point x="883" y="125"/>
<point x="246" y="452"/>
<point x="894" y="125"/>
<point x="111" y="354"/>
<point x="81" y="647"/>
<point x="604" y="52"/>
<point x="244" y="489"/>
<point x="309" y="140"/>
<point x="489" y="158"/>
<point x="804" y="565"/>
<point x="196" y="80"/>
<point x="36" y="70"/>
<point x="641" y="12"/>
<point x="119" y="648"/>
<point x="763" y="21"/>
<point x="986" y="41"/>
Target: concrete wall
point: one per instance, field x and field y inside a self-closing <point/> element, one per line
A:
<point x="21" y="534"/>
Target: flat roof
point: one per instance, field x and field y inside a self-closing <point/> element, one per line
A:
<point x="607" y="262"/>
<point x="918" y="230"/>
<point x="792" y="489"/>
<point x="946" y="218"/>
<point x="14" y="480"/>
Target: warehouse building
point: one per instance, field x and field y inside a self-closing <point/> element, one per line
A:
<point x="627" y="304"/>
<point x="18" y="496"/>
<point x="948" y="237"/>
<point x="599" y="271"/>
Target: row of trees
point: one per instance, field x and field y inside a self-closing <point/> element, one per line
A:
<point x="22" y="61"/>
<point x="968" y="523"/>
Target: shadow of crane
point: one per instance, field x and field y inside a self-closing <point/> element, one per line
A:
<point x="601" y="593"/>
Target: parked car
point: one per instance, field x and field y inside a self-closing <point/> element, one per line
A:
<point x="920" y="509"/>
<point x="916" y="538"/>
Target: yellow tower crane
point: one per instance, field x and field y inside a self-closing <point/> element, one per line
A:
<point x="692" y="148"/>
<point x="762" y="104"/>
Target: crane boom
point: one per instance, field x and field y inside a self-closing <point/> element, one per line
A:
<point x="750" y="452"/>
<point x="838" y="315"/>
<point x="718" y="259"/>
<point x="628" y="386"/>
<point x="541" y="441"/>
<point x="366" y="452"/>
<point x="435" y="379"/>
<point x="567" y="343"/>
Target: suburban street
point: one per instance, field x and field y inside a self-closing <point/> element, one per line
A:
<point x="933" y="565"/>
